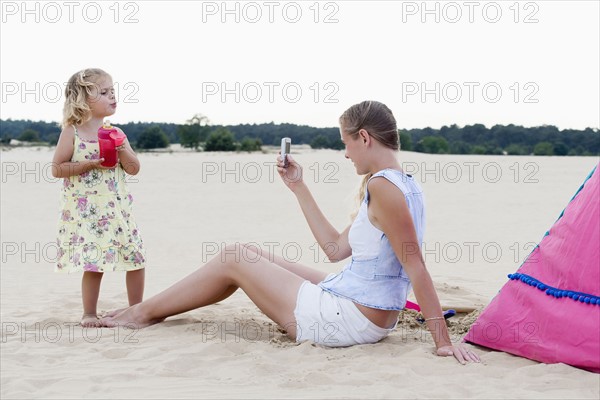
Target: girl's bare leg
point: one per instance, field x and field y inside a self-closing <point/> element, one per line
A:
<point x="301" y="270"/>
<point x="135" y="290"/>
<point x="90" y="290"/>
<point x="272" y="288"/>
<point x="135" y="285"/>
<point x="308" y="273"/>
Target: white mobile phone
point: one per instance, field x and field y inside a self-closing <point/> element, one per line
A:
<point x="286" y="144"/>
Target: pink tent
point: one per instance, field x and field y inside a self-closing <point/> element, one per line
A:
<point x="549" y="310"/>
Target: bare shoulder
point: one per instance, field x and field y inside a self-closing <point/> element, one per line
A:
<point x="388" y="210"/>
<point x="68" y="132"/>
<point x="67" y="137"/>
<point x="380" y="188"/>
<point x="386" y="200"/>
<point x="64" y="147"/>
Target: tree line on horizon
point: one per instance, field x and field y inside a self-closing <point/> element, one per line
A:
<point x="198" y="134"/>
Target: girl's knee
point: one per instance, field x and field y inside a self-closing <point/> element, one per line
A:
<point x="136" y="272"/>
<point x="252" y="247"/>
<point x="89" y="275"/>
<point x="238" y="254"/>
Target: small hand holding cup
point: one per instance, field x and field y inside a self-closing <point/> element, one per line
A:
<point x="118" y="138"/>
<point x="97" y="164"/>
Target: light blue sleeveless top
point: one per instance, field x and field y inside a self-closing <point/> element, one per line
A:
<point x="375" y="277"/>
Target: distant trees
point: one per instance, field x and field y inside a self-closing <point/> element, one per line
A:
<point x="197" y="131"/>
<point x="460" y="147"/>
<point x="152" y="138"/>
<point x="29" y="135"/>
<point x="509" y="139"/>
<point x="517" y="150"/>
<point x="405" y="142"/>
<point x="194" y="131"/>
<point x="249" y="144"/>
<point x="319" y="142"/>
<point x="52" y="138"/>
<point x="450" y="139"/>
<point x="543" y="149"/>
<point x="432" y="144"/>
<point x="220" y="140"/>
<point x="324" y="142"/>
<point x="560" y="149"/>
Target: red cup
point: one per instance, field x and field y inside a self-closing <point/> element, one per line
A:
<point x="108" y="152"/>
<point x="117" y="137"/>
<point x="108" y="149"/>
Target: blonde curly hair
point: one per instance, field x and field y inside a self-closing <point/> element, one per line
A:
<point x="79" y="90"/>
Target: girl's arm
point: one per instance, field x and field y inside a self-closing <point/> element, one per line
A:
<point x="128" y="158"/>
<point x="389" y="212"/>
<point x="334" y="244"/>
<point x="62" y="166"/>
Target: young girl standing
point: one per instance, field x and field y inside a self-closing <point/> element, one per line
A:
<point x="97" y="231"/>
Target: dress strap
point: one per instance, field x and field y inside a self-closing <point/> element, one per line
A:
<point x="76" y="139"/>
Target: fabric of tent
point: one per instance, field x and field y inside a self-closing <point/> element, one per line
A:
<point x="549" y="311"/>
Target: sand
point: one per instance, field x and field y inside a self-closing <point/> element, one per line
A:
<point x="484" y="215"/>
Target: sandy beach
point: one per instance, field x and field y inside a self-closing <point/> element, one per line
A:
<point x="484" y="215"/>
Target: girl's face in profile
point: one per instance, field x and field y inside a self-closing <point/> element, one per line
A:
<point x="102" y="101"/>
<point x="354" y="151"/>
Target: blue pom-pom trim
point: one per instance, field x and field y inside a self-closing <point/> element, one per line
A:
<point x="557" y="293"/>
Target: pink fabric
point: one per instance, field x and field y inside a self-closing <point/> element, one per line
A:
<point x="525" y="321"/>
<point x="412" y="306"/>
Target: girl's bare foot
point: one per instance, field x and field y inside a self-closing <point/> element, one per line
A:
<point x="112" y="313"/>
<point x="90" y="321"/>
<point x="129" y="318"/>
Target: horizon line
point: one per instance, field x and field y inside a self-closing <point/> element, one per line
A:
<point x="595" y="129"/>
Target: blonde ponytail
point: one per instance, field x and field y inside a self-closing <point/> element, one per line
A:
<point x="360" y="196"/>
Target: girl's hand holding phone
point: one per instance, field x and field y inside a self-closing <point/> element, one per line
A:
<point x="289" y="170"/>
<point x="291" y="174"/>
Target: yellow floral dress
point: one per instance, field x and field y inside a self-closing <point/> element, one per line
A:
<point x="97" y="231"/>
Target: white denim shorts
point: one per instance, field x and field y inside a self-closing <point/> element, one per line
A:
<point x="331" y="320"/>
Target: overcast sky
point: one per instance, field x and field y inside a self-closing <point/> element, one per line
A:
<point x="305" y="62"/>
